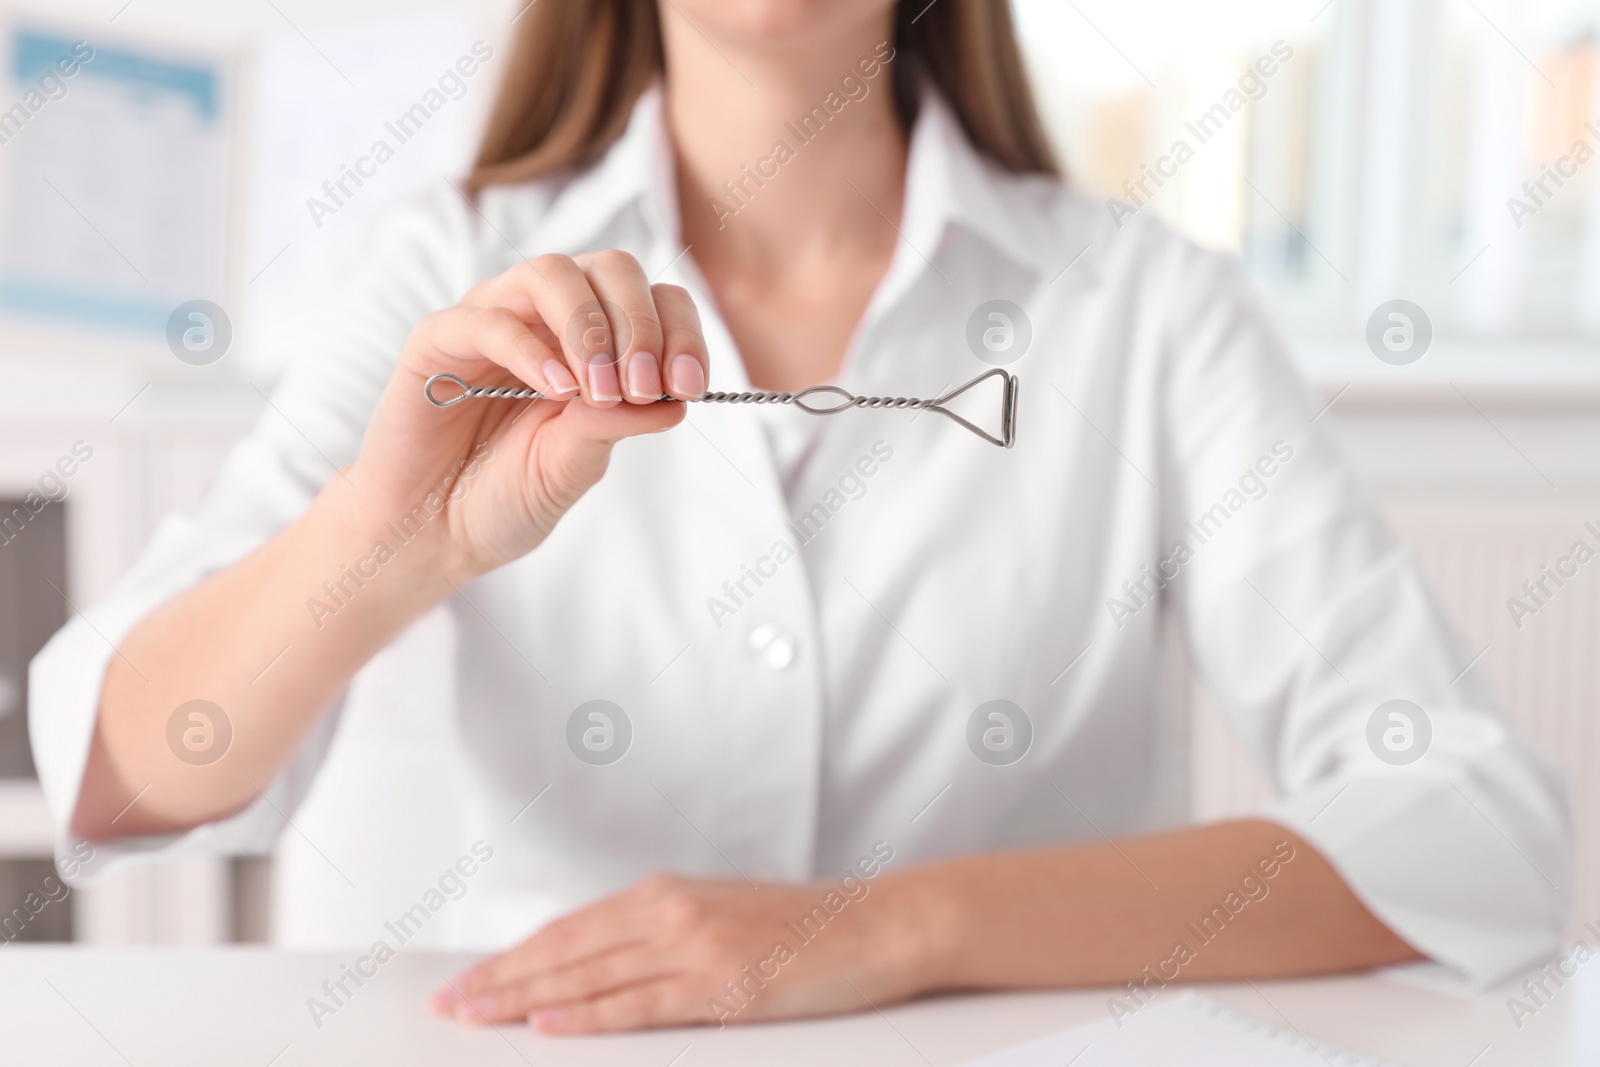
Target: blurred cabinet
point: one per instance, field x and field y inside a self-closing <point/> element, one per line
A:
<point x="93" y="470"/>
<point x="33" y="570"/>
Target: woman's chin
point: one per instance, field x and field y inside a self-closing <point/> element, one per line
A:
<point x="776" y="23"/>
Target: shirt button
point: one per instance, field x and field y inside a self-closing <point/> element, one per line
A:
<point x="772" y="649"/>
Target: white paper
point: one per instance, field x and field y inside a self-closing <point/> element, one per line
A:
<point x="1186" y="1029"/>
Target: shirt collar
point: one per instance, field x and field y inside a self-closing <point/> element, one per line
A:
<point x="635" y="172"/>
<point x="948" y="183"/>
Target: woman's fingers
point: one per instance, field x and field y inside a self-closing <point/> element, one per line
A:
<point x="568" y="305"/>
<point x="626" y="966"/>
<point x="630" y="311"/>
<point x="514" y="291"/>
<point x="552" y="295"/>
<point x="685" y="365"/>
<point x="618" y="335"/>
<point x="456" y="339"/>
<point x="659" y="1002"/>
<point x="602" y="927"/>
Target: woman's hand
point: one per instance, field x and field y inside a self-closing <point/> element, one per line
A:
<point x="672" y="951"/>
<point x="593" y="327"/>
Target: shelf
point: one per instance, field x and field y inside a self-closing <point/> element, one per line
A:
<point x="1501" y="375"/>
<point x="26" y="831"/>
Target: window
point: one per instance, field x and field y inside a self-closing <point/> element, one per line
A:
<point x="1351" y="151"/>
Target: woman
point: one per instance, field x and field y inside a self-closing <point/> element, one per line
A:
<point x="680" y="706"/>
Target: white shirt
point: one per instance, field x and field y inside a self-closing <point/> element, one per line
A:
<point x="827" y="708"/>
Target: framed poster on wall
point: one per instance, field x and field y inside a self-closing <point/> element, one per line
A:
<point x="117" y="181"/>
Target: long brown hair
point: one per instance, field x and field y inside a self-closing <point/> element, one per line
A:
<point x="578" y="66"/>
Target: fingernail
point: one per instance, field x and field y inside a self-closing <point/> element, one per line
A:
<point x="688" y="379"/>
<point x="603" y="381"/>
<point x="548" y="1020"/>
<point x="644" y="377"/>
<point x="442" y="1002"/>
<point x="559" y="379"/>
<point x="475" y="1009"/>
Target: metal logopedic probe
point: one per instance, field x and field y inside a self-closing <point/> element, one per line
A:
<point x="845" y="400"/>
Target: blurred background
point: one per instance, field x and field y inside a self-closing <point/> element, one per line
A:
<point x="1351" y="152"/>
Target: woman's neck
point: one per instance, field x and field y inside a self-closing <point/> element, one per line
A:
<point x="784" y="159"/>
<point x="791" y="176"/>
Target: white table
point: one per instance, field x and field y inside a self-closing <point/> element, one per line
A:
<point x="218" y="1007"/>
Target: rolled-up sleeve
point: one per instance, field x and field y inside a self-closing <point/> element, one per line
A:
<point x="311" y="426"/>
<point x="1305" y="616"/>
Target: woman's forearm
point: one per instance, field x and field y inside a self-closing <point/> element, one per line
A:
<point x="1228" y="901"/>
<point x="1234" y="900"/>
<point x="247" y="640"/>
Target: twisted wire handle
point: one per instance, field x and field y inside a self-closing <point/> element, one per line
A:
<point x="799" y="400"/>
<point x="742" y="398"/>
<point x="802" y="400"/>
<point x="475" y="392"/>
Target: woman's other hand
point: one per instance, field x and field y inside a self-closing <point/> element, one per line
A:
<point x="672" y="951"/>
